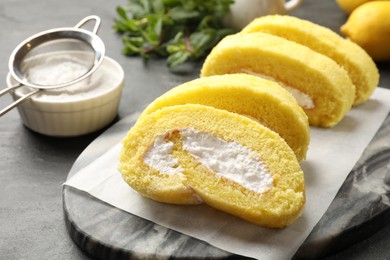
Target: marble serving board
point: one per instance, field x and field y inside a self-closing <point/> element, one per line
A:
<point x="361" y="207"/>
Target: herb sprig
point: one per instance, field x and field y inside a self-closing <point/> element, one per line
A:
<point x="179" y="30"/>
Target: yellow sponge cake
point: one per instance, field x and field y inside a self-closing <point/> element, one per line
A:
<point x="320" y="85"/>
<point x="189" y="154"/>
<point x="259" y="99"/>
<point x="358" y="64"/>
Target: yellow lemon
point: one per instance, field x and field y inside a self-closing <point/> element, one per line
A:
<point x="349" y="5"/>
<point x="369" y="26"/>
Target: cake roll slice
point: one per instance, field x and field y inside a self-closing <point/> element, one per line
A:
<point x="322" y="88"/>
<point x="262" y="100"/>
<point x="189" y="154"/>
<point x="358" y="64"/>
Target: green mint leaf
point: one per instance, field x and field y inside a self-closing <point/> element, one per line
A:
<point x="121" y="12"/>
<point x="177" y="58"/>
<point x="179" y="30"/>
<point x="180" y="14"/>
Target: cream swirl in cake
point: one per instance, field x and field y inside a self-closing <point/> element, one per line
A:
<point x="229" y="160"/>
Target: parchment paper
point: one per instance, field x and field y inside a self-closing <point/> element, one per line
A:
<point x="332" y="154"/>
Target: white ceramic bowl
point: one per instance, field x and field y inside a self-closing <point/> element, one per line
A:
<point x="73" y="114"/>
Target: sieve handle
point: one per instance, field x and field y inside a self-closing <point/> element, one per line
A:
<point x="89" y="18"/>
<point x="17" y="102"/>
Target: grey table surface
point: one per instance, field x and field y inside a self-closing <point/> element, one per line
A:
<point x="33" y="167"/>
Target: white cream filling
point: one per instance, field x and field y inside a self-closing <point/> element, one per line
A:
<point x="160" y="158"/>
<point x="226" y="159"/>
<point x="302" y="98"/>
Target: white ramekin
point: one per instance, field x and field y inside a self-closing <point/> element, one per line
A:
<point x="73" y="117"/>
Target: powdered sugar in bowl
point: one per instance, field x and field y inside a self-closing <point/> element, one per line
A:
<point x="78" y="109"/>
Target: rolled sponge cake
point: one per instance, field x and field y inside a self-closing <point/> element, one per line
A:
<point x="358" y="64"/>
<point x="260" y="99"/>
<point x="321" y="86"/>
<point x="185" y="154"/>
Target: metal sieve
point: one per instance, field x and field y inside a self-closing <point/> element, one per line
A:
<point x="55" y="47"/>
